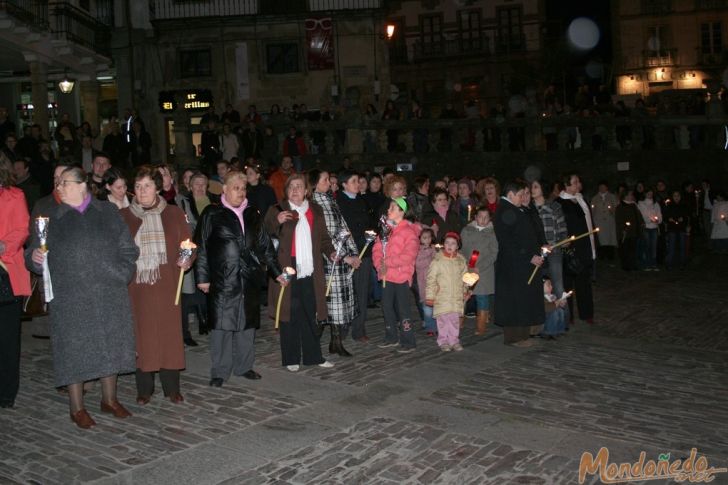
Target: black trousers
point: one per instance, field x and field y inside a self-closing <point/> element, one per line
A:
<point x="298" y="336"/>
<point x="582" y="286"/>
<point x="628" y="253"/>
<point x="10" y="351"/>
<point x="145" y="382"/>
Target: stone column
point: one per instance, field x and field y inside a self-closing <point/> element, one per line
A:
<point x="39" y="95"/>
<point x="90" y="103"/>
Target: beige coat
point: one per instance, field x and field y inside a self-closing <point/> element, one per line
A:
<point x="445" y="285"/>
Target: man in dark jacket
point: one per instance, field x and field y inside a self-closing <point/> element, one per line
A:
<point x="232" y="247"/>
<point x="356" y="215"/>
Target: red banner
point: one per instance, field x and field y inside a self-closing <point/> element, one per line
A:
<point x="319" y="37"/>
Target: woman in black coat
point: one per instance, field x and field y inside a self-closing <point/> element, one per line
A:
<point x="232" y="246"/>
<point x="518" y="305"/>
<point x="260" y="195"/>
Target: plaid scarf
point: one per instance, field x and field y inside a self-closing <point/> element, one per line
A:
<point x="150" y="240"/>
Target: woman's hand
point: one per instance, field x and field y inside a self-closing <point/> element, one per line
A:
<point x="185" y="265"/>
<point x="204" y="287"/>
<point x="282" y="280"/>
<point x="537" y="261"/>
<point x="353" y="261"/>
<point x="285" y="216"/>
<point x="38" y="257"/>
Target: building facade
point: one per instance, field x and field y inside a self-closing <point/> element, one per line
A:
<point x="43" y="42"/>
<point x="320" y="53"/>
<point x="669" y="45"/>
<point x="460" y="51"/>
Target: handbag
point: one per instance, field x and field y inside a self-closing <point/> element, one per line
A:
<point x="572" y="264"/>
<point x="6" y="291"/>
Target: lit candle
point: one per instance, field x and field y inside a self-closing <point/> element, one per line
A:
<point x="470" y="209"/>
<point x="287" y="273"/>
<point x="186" y="249"/>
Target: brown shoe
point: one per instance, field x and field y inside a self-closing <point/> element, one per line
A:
<point x="82" y="419"/>
<point x="115" y="408"/>
<point x="176" y="398"/>
<point x="143" y="400"/>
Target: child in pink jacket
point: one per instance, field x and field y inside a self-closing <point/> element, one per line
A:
<point x="395" y="265"/>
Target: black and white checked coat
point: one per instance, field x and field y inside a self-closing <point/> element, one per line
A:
<point x="341" y="302"/>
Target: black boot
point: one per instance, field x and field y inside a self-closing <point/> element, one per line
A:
<point x="201" y="321"/>
<point x="336" y="346"/>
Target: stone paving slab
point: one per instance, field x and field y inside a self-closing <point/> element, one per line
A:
<point x="42" y="445"/>
<point x="662" y="397"/>
<point x="369" y="364"/>
<point x="385" y="450"/>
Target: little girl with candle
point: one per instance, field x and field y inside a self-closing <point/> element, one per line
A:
<point x="446" y="292"/>
<point x="395" y="265"/>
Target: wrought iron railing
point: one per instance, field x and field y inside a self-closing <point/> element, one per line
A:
<point x="428" y="137"/>
<point x="31" y="12"/>
<point x="174" y="9"/>
<point x="659" y="58"/>
<point x="76" y="26"/>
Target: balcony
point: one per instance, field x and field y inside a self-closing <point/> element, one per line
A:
<point x="712" y="59"/>
<point x="656" y="7"/>
<point x="61" y="21"/>
<point x="710" y="4"/>
<point x="422" y="51"/>
<point x="174" y="9"/>
<point x="33" y="13"/>
<point x="74" y="25"/>
<point x="661" y="58"/>
<point x="507" y="44"/>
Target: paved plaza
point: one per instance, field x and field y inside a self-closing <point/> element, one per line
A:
<point x="651" y="375"/>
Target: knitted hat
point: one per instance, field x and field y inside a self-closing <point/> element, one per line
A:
<point x="453" y="235"/>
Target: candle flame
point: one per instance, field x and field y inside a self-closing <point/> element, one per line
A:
<point x="187" y="244"/>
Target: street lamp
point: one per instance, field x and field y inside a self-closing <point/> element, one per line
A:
<point x="66" y="85"/>
<point x="390" y="31"/>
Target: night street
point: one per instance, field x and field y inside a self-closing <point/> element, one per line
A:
<point x="650" y="375"/>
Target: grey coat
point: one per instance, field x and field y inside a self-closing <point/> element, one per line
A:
<point x="484" y="241"/>
<point x="92" y="258"/>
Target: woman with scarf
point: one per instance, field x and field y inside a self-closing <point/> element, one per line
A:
<point x="303" y="243"/>
<point x="91" y="328"/>
<point x="579" y="221"/>
<point x="444" y="219"/>
<point x="342" y="303"/>
<point x="157" y="229"/>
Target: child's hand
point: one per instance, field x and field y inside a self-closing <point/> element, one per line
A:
<point x="467" y="295"/>
<point x="429" y="302"/>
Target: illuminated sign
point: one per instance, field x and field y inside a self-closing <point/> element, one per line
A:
<point x="194" y="100"/>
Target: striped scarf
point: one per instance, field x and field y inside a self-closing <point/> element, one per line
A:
<point x="150" y="240"/>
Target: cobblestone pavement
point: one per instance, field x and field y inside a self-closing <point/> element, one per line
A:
<point x="650" y="375"/>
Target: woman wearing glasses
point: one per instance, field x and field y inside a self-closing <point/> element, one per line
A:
<point x="91" y="260"/>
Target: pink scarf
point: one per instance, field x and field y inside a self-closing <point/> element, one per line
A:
<point x="442" y="212"/>
<point x="237" y="210"/>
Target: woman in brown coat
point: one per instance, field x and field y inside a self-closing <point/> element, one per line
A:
<point x="157" y="229"/>
<point x="300" y="228"/>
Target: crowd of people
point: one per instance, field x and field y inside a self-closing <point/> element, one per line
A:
<point x="333" y="244"/>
